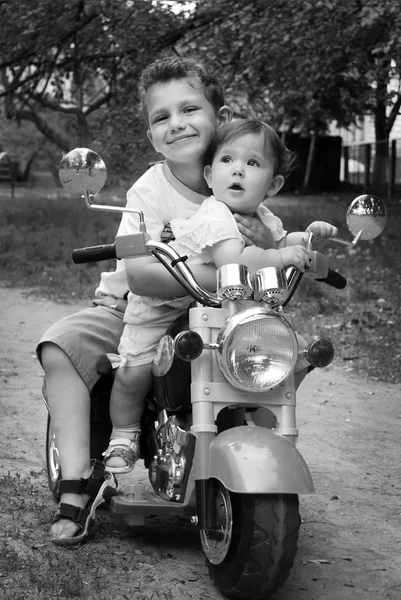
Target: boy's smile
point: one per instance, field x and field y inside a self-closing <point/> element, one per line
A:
<point x="182" y="121"/>
<point x="181" y="139"/>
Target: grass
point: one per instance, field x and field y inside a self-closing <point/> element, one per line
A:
<point x="38" y="232"/>
<point x="115" y="564"/>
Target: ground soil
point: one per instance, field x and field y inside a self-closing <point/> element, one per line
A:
<point x="350" y="540"/>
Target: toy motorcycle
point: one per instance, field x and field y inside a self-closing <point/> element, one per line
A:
<point x="219" y="430"/>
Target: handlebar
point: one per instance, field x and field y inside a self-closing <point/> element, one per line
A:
<point x="94" y="253"/>
<point x="139" y="244"/>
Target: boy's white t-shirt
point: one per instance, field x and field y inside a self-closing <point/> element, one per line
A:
<point x="161" y="197"/>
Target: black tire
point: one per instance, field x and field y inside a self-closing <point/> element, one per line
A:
<point x="254" y="558"/>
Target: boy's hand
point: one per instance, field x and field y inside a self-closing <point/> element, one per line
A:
<point x="254" y="232"/>
<point x="321" y="229"/>
<point x="295" y="255"/>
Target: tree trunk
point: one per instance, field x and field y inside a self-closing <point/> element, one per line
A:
<point x="309" y="162"/>
<point x="382" y="133"/>
<point x="380" y="166"/>
<point x="84" y="136"/>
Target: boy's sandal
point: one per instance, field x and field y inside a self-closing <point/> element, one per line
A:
<point x="100" y="487"/>
<point x="123" y="448"/>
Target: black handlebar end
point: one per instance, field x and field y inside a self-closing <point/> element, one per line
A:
<point x="335" y="280"/>
<point x="94" y="253"/>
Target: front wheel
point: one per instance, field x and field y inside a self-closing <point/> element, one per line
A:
<point x="250" y="553"/>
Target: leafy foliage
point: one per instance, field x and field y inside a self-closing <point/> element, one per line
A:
<point x="77" y="59"/>
<point x="72" y="68"/>
<point x="301" y="63"/>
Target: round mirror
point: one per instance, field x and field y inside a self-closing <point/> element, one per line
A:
<point x="367" y="214"/>
<point x="82" y="170"/>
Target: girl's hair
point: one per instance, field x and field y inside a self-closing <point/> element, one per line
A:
<point x="236" y="129"/>
<point x="166" y="69"/>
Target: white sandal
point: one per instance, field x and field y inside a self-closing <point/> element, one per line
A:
<point x="123" y="448"/>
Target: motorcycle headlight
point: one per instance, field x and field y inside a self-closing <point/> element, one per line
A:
<point x="256" y="350"/>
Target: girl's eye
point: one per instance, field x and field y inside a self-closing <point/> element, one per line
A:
<point x="190" y="109"/>
<point x="159" y="119"/>
<point x="225" y="159"/>
<point x="253" y="163"/>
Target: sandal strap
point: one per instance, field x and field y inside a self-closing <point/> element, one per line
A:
<point x="89" y="486"/>
<point x="73" y="513"/>
<point x="123" y="448"/>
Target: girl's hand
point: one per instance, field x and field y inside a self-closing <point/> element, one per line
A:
<point x="295" y="255"/>
<point x="255" y="232"/>
<point x="321" y="229"/>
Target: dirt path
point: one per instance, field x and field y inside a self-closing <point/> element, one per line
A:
<point x="350" y="542"/>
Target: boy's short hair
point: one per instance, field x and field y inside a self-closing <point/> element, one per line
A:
<point x="163" y="70"/>
<point x="284" y="158"/>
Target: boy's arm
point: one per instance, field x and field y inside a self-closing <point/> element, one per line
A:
<point x="254" y="231"/>
<point x="147" y="277"/>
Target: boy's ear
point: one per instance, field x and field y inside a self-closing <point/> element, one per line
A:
<point x="207" y="174"/>
<point x="276" y="185"/>
<point x="150" y="138"/>
<point x="224" y="115"/>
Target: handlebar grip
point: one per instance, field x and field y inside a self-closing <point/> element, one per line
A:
<point x="94" y="253"/>
<point x="335" y="280"/>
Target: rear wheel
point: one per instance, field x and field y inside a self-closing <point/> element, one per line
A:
<point x="250" y="553"/>
<point x="52" y="460"/>
<point x="100" y="429"/>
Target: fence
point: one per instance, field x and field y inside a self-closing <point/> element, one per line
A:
<point x="357" y="163"/>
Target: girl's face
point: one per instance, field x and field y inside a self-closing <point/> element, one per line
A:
<point x="182" y="121"/>
<point x="242" y="173"/>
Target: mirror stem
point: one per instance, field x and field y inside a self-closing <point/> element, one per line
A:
<point x="340" y="241"/>
<point x="119" y="209"/>
<point x="345" y="243"/>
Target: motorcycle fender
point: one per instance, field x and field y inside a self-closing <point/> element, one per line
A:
<point x="255" y="460"/>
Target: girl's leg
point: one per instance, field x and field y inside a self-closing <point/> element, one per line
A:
<point x="130" y="387"/>
<point x="127" y="399"/>
<point x="69" y="405"/>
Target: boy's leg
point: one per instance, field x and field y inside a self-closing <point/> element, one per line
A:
<point x="70" y="352"/>
<point x="69" y="404"/>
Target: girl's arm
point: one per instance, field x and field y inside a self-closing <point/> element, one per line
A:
<point x="232" y="251"/>
<point x="320" y="229"/>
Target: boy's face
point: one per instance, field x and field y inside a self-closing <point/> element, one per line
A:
<point x="181" y="120"/>
<point x="242" y="173"/>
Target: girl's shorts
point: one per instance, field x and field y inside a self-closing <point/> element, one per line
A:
<point x="138" y="343"/>
<point x="86" y="337"/>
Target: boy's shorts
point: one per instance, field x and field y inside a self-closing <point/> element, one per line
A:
<point x="86" y="337"/>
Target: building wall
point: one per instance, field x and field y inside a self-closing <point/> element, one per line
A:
<point x="365" y="133"/>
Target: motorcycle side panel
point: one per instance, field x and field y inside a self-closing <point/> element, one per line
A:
<point x="172" y="391"/>
<point x="254" y="460"/>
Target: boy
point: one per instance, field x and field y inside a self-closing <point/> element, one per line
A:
<point x="180" y="126"/>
